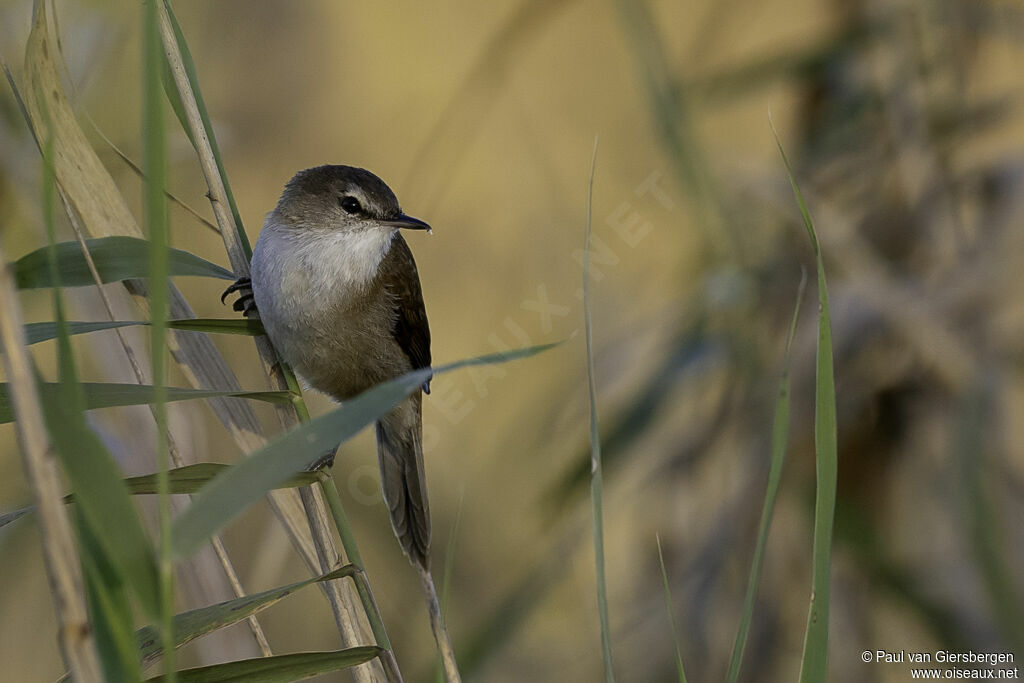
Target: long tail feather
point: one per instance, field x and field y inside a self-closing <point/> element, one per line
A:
<point x="402" y="478"/>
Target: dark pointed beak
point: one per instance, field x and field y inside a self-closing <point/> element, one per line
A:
<point x="407" y="222"/>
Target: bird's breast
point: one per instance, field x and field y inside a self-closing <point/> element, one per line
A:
<point x="324" y="311"/>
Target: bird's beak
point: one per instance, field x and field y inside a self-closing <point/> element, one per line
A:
<point x="407" y="222"/>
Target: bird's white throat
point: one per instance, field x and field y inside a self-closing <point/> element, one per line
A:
<point x="298" y="268"/>
<point x="349" y="257"/>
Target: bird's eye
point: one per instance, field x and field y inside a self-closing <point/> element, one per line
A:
<point x="350" y="204"/>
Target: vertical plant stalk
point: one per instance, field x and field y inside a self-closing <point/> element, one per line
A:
<point x="313" y="503"/>
<point x="596" y="484"/>
<point x="446" y="580"/>
<point x="814" y="667"/>
<point x="346" y="616"/>
<point x="441" y="637"/>
<point x="236" y="587"/>
<point x="155" y="207"/>
<point x="671" y="613"/>
<point x="330" y="492"/>
<point x="340" y="596"/>
<point x="42" y="473"/>
<point x="175" y="199"/>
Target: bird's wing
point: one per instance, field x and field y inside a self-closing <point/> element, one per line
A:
<point x="411" y="329"/>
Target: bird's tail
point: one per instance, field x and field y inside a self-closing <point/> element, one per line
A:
<point x="400" y="451"/>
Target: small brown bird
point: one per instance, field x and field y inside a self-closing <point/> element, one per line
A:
<point x="337" y="290"/>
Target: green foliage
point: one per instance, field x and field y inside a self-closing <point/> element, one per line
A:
<point x="814" y="667"/>
<point x="249" y="480"/>
<point x="113" y="545"/>
<point x="110" y="395"/>
<point x="101" y="494"/>
<point x="895" y="188"/>
<point x="110" y="610"/>
<point x="180" y="480"/>
<point x="780" y="442"/>
<point x="115" y="258"/>
<point x="671" y="614"/>
<point x="596" y="485"/>
<point x="174" y="97"/>
<point x="279" y="668"/>
<point x="193" y="624"/>
<point x="40" y="332"/>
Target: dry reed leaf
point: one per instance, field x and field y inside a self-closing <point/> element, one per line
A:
<point x="93" y="195"/>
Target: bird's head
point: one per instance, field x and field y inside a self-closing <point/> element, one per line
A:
<point x="342" y="198"/>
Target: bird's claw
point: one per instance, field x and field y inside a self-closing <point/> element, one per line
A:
<point x="238" y="285"/>
<point x="325" y="461"/>
<point x="245" y="303"/>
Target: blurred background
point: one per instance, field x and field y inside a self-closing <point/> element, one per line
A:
<point x="904" y="124"/>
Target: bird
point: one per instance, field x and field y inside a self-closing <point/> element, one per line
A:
<point x="337" y="289"/>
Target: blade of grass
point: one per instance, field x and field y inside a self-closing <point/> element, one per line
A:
<point x="247" y="326"/>
<point x="102" y="497"/>
<point x="247" y="481"/>
<point x="174" y="96"/>
<point x="780" y="442"/>
<point x="196" y="623"/>
<point x="74" y="634"/>
<point x="117" y="258"/>
<point x="814" y="665"/>
<point x="8" y="517"/>
<point x="449" y="554"/>
<point x="111" y="611"/>
<point x="96" y="395"/>
<point x="40" y="332"/>
<point x="446" y="578"/>
<point x="191" y="478"/>
<point x="329" y="488"/>
<point x="595" y="444"/>
<point x="674" y="122"/>
<point x="155" y="203"/>
<point x="20" y="102"/>
<point x="142" y="176"/>
<point x="671" y="613"/>
<point x="182" y="480"/>
<point x="90" y="189"/>
<point x="279" y="668"/>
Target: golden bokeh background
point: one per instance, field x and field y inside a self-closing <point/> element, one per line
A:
<point x="904" y="124"/>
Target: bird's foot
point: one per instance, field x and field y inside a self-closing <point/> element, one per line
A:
<point x="246" y="302"/>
